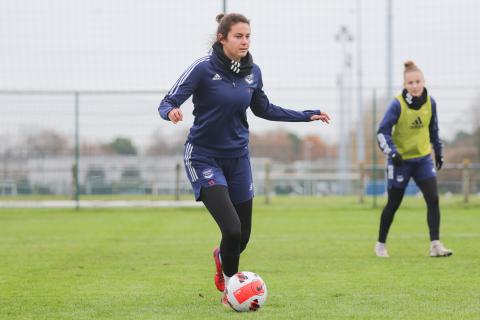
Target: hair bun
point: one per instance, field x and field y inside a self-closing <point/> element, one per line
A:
<point x="409" y="64"/>
<point x="219" y="17"/>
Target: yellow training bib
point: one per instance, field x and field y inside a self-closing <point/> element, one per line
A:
<point x="411" y="134"/>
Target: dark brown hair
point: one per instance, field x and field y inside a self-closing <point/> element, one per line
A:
<point x="410" y="66"/>
<point x="225" y="23"/>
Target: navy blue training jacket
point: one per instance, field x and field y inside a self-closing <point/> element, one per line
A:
<point x="221" y="99"/>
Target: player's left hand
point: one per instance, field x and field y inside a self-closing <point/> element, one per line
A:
<point x="322" y="117"/>
<point x="438" y="162"/>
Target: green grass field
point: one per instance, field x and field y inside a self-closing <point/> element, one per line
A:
<point x="315" y="254"/>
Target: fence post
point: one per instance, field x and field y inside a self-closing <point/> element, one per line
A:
<point x="473" y="182"/>
<point x="466" y="180"/>
<point x="361" y="198"/>
<point x="77" y="152"/>
<point x="177" y="181"/>
<point x="374" y="153"/>
<point x="267" y="181"/>
<point x="74" y="181"/>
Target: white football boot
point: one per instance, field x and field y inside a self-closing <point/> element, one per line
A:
<point x="381" y="250"/>
<point x="438" y="250"/>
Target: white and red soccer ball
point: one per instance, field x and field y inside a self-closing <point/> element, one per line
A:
<point x="246" y="291"/>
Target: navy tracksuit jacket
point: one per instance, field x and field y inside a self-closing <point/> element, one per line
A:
<point x="221" y="99"/>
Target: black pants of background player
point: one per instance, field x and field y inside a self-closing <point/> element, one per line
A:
<point x="234" y="221"/>
<point x="395" y="196"/>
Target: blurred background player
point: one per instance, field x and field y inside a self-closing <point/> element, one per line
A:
<point x="406" y="134"/>
<point x="224" y="84"/>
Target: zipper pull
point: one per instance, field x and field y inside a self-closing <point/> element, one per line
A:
<point x="233" y="84"/>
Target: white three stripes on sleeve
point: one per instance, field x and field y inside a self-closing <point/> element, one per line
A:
<point x="383" y="144"/>
<point x="184" y="75"/>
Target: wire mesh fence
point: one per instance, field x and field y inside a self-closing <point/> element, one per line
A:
<point x="96" y="71"/>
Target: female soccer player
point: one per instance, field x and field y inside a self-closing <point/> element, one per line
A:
<point x="405" y="135"/>
<point x="224" y="84"/>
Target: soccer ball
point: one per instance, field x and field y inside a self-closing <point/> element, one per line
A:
<point x="246" y="291"/>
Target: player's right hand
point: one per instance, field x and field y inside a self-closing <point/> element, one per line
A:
<point x="397" y="159"/>
<point x="175" y="115"/>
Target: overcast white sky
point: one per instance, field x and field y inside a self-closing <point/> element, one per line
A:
<point x="146" y="45"/>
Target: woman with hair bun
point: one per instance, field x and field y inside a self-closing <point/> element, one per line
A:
<point x="406" y="135"/>
<point x="224" y="84"/>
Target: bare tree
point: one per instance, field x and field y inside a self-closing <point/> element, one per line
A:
<point x="163" y="144"/>
<point x="46" y="143"/>
<point x="476" y="123"/>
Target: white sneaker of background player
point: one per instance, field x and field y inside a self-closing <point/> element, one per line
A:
<point x="438" y="250"/>
<point x="381" y="250"/>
